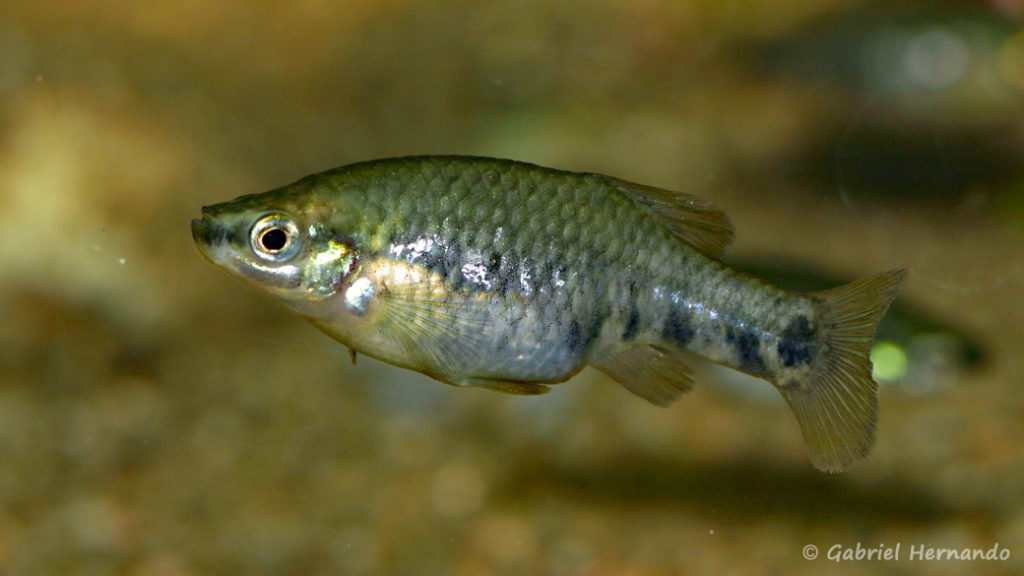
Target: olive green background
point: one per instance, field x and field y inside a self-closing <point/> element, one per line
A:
<point x="157" y="418"/>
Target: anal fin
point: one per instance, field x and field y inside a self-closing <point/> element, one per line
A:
<point x="508" y="386"/>
<point x="656" y="374"/>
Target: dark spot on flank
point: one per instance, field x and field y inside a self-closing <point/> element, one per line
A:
<point x="797" y="344"/>
<point x="451" y="265"/>
<point x="507" y="274"/>
<point x="575" y="337"/>
<point x="579" y="338"/>
<point x="450" y="262"/>
<point x="678" y="328"/>
<point x="632" y="323"/>
<point x="446" y="261"/>
<point x="494" y="263"/>
<point x="547" y="269"/>
<point x="432" y="261"/>
<point x="748" y="348"/>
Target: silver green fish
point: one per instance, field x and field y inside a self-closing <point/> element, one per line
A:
<point x="511" y="276"/>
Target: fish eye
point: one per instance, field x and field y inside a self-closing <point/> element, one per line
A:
<point x="274" y="238"/>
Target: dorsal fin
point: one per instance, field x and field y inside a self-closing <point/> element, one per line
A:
<point x="693" y="220"/>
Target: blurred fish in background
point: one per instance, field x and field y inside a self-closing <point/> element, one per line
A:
<point x="936" y="89"/>
<point x="957" y="55"/>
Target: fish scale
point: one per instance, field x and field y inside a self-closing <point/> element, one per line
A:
<point x="510" y="276"/>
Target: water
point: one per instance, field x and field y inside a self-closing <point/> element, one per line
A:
<point x="158" y="418"/>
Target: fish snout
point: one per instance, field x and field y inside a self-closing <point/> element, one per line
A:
<point x="201" y="230"/>
<point x="209" y="230"/>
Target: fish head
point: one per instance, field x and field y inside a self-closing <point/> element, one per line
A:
<point x="278" y="246"/>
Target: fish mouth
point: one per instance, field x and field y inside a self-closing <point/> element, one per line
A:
<point x="206" y="232"/>
<point x="207" y="228"/>
<point x="201" y="231"/>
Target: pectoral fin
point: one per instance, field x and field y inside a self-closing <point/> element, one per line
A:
<point x="442" y="333"/>
<point x="658" y="375"/>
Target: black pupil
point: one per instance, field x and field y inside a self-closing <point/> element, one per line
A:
<point x="274" y="239"/>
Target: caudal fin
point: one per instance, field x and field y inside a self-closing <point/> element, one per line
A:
<point x="837" y="404"/>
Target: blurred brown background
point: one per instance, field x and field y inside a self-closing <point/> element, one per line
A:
<point x="159" y="419"/>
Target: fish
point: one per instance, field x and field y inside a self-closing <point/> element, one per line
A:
<point x="505" y="275"/>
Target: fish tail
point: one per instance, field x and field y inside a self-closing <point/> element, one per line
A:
<point x="836" y="403"/>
